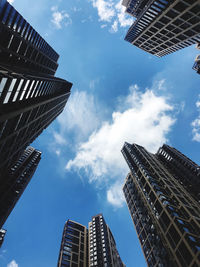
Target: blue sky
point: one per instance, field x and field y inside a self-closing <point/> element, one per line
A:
<point x="120" y="93"/>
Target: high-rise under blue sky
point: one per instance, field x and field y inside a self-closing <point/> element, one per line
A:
<point x="120" y="93"/>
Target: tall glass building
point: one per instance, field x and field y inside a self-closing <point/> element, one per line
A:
<point x="163" y="26"/>
<point x="81" y="247"/>
<point x="30" y="99"/>
<point x="164" y="205"/>
<point x="30" y="96"/>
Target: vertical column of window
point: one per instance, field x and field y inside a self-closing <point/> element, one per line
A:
<point x="23" y="27"/>
<point x="13" y="92"/>
<point x="3" y="5"/>
<point x="16" y="92"/>
<point x="30" y="33"/>
<point x="34" y="89"/>
<point x="8" y="90"/>
<point x="15" y="21"/>
<point x="37" y="89"/>
<point x="2" y="85"/>
<point x="5" y="12"/>
<point x="11" y="17"/>
<point x="25" y="31"/>
<point x="41" y="93"/>
<point x="23" y="90"/>
<point x="29" y="90"/>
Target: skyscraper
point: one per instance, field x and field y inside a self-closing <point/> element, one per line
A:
<point x="74" y="245"/>
<point x="15" y="181"/>
<point x="166" y="215"/>
<point x="30" y="96"/>
<point x="102" y="246"/>
<point x="163" y="26"/>
<point x="83" y="248"/>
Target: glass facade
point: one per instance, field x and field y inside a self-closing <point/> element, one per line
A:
<point x="17" y="178"/>
<point x="73" y="250"/>
<point x="163" y="27"/>
<point x="81" y="247"/>
<point x="166" y="216"/>
<point x="21" y="45"/>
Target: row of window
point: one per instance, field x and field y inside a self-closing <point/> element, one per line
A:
<point x="10" y="17"/>
<point x="12" y="90"/>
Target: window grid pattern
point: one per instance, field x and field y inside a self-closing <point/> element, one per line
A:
<point x="102" y="246"/>
<point x="73" y="250"/>
<point x="22" y="127"/>
<point x="166" y="26"/>
<point x="135" y="7"/>
<point x="22" y="45"/>
<point x="174" y="213"/>
<point x="17" y="178"/>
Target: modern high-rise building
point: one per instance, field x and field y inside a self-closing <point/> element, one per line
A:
<point x="74" y="245"/>
<point x="163" y="205"/>
<point x="16" y="180"/>
<point x="30" y="96"/>
<point x="163" y="26"/>
<point x="83" y="248"/>
<point x="102" y="247"/>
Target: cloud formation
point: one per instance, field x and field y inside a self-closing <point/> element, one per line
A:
<point x="196" y="124"/>
<point x="60" y="18"/>
<point x="112" y="12"/>
<point x="79" y="117"/>
<point x="12" y="264"/>
<point x="146" y="120"/>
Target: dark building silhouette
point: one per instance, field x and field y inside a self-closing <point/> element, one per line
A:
<point x="30" y="96"/>
<point x="15" y="181"/>
<point x="83" y="248"/>
<point x="163" y="26"/>
<point x="163" y="206"/>
<point x="30" y="99"/>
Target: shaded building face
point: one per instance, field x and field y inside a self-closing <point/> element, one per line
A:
<point x="21" y="45"/>
<point x="30" y="96"/>
<point x="96" y="247"/>
<point x="74" y="246"/>
<point x="28" y="104"/>
<point x="165" y="215"/>
<point x="163" y="27"/>
<point x="15" y="181"/>
<point x="102" y="246"/>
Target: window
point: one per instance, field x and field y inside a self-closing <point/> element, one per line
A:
<point x="9" y="91"/>
<point x="2" y="84"/>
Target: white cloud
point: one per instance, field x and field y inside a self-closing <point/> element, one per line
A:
<point x="79" y="115"/>
<point x="124" y="19"/>
<point x="59" y="139"/>
<point x="196" y="124"/>
<point x="60" y="18"/>
<point x="11" y="1"/>
<point x="114" y="27"/>
<point x="105" y="9"/>
<point x="115" y="195"/>
<point x="12" y="264"/>
<point x="112" y="12"/>
<point x="146" y="121"/>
